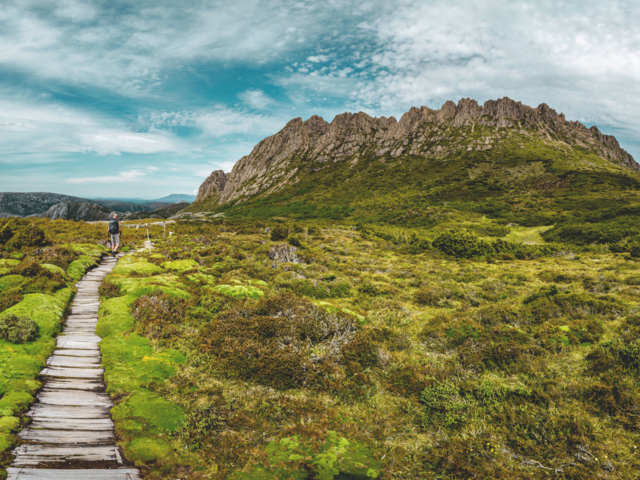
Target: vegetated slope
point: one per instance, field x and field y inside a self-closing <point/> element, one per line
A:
<point x="505" y="160"/>
<point x="24" y="204"/>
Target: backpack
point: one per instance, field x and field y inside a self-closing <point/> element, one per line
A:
<point x="114" y="227"/>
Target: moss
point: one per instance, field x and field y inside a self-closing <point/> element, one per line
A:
<point x="46" y="310"/>
<point x="238" y="291"/>
<point x="53" y="268"/>
<point x="147" y="449"/>
<point x="9" y="424"/>
<point x="203" y="278"/>
<point x="137" y="266"/>
<point x="9" y="281"/>
<point x="181" y="265"/>
<point x="77" y="268"/>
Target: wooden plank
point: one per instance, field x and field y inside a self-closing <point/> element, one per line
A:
<point x="97" y="474"/>
<point x="64" y="437"/>
<point x="77" y="353"/>
<point x="72" y="372"/>
<point x="37" y="454"/>
<point x="75" y="345"/>
<point x="40" y="411"/>
<point x="74" y="398"/>
<point x="73" y="384"/>
<point x="65" y="361"/>
<point x="81" y="338"/>
<point x="102" y="424"/>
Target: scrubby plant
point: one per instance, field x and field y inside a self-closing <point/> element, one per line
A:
<point x="297" y="228"/>
<point x="279" y="232"/>
<point x="9" y="298"/>
<point x="18" y="329"/>
<point x="314" y="230"/>
<point x="6" y="233"/>
<point x="284" y="342"/>
<point x="108" y="290"/>
<point x="462" y="244"/>
<point x="296" y="241"/>
<point x="284" y="253"/>
<point x="29" y="236"/>
<point x="158" y="315"/>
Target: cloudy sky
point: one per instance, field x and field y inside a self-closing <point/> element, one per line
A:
<point x="144" y="98"/>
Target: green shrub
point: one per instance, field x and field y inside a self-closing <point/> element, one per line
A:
<point x="18" y="329"/>
<point x="314" y="230"/>
<point x="279" y="232"/>
<point x="634" y="250"/>
<point x="9" y="298"/>
<point x="297" y="228"/>
<point x="158" y="315"/>
<point x="462" y="244"/>
<point x="29" y="236"/>
<point x="5" y="234"/>
<point x="282" y="341"/>
<point x="108" y="290"/>
<point x="296" y="241"/>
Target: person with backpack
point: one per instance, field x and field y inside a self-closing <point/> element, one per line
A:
<point x="114" y="230"/>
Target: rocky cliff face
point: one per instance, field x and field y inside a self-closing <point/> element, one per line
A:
<point x="77" y="211"/>
<point x="421" y="132"/>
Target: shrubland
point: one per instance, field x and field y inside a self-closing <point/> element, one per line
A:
<point x="469" y="318"/>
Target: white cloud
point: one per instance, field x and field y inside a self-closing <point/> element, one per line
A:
<point x="218" y="121"/>
<point x="579" y="58"/>
<point x="256" y="99"/>
<point x="129" y="176"/>
<point x="318" y="59"/>
<point x="35" y="126"/>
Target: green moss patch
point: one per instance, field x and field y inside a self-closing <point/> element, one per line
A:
<point x="181" y="265"/>
<point x="77" y="268"/>
<point x="9" y="281"/>
<point x="238" y="291"/>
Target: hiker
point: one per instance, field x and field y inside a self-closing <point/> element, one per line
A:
<point x="114" y="230"/>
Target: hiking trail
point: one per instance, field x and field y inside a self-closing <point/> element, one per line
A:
<point x="71" y="434"/>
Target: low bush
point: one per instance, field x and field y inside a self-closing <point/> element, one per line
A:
<point x="296" y="241"/>
<point x="29" y="236"/>
<point x="462" y="244"/>
<point x="109" y="290"/>
<point x="284" y="342"/>
<point x="158" y="315"/>
<point x="314" y="230"/>
<point x="6" y="233"/>
<point x="18" y="329"/>
<point x="279" y="232"/>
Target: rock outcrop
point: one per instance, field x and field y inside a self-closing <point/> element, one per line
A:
<point x="77" y="211"/>
<point x="422" y="132"/>
<point x="213" y="186"/>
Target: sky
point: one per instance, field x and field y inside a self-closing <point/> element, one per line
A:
<point x="145" y="98"/>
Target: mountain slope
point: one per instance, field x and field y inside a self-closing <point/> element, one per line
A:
<point x="504" y="160"/>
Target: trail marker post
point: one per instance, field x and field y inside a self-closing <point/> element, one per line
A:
<point x="148" y="241"/>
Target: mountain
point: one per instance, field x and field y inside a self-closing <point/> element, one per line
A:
<point x="175" y="198"/>
<point x="72" y="210"/>
<point x="123" y="206"/>
<point x="25" y="204"/>
<point x="162" y="212"/>
<point x="382" y="169"/>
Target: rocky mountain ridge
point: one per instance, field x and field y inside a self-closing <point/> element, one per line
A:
<point x="300" y="146"/>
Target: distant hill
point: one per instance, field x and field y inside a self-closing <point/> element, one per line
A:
<point x="175" y="197"/>
<point x="162" y="212"/>
<point x="25" y="204"/>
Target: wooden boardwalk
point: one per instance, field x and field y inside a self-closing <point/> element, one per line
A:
<point x="70" y="422"/>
